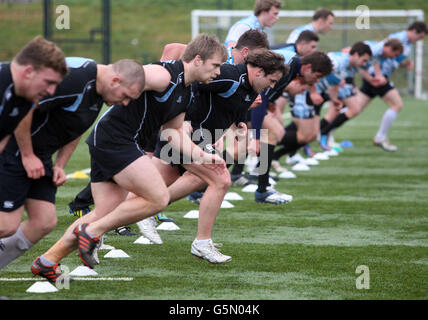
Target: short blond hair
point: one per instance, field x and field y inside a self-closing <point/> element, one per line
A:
<point x="42" y="53"/>
<point x="131" y="72"/>
<point x="206" y="46"/>
<point x="265" y="5"/>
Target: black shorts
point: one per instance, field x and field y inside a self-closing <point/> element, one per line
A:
<point x="372" y="91"/>
<point x="150" y="146"/>
<point x="16" y="187"/>
<point x="165" y="152"/>
<point x="107" y="162"/>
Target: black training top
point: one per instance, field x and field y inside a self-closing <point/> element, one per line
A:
<point x="12" y="107"/>
<point x="143" y="117"/>
<point x="67" y="114"/>
<point x="222" y="102"/>
<point x="275" y="92"/>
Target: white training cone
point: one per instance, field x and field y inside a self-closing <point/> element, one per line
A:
<point x="321" y="156"/>
<point x="83" y="271"/>
<point x="143" y="240"/>
<point x="192" y="214"/>
<point x="332" y="153"/>
<point x="226" y="205"/>
<point x="250" y="188"/>
<point x="106" y="247"/>
<point x="311" y="162"/>
<point x="232" y="196"/>
<point x="42" y="287"/>
<point x="287" y="175"/>
<point x="300" y="167"/>
<point x="170" y="226"/>
<point x="116" y="253"/>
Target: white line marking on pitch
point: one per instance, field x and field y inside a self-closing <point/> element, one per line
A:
<point x="74" y="278"/>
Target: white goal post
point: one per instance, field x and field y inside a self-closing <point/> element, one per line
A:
<point x="223" y="19"/>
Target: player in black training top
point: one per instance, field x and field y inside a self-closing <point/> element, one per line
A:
<point x="27" y="175"/>
<point x="219" y="105"/>
<point x="119" y="165"/>
<point x="33" y="73"/>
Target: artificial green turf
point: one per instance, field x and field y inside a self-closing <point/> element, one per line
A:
<point x="364" y="207"/>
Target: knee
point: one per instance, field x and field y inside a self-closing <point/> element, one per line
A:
<point x="224" y="183"/>
<point x="272" y="137"/>
<point x="304" y="137"/>
<point x="397" y="107"/>
<point x="46" y="224"/>
<point x="6" y="230"/>
<point x="8" y="226"/>
<point x="162" y="201"/>
<point x="279" y="134"/>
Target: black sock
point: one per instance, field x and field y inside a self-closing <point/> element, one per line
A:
<point x="336" y="123"/>
<point x="324" y="123"/>
<point x="238" y="168"/>
<point x="288" y="144"/>
<point x="264" y="177"/>
<point x="291" y="127"/>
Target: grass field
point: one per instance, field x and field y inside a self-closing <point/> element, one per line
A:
<point x="365" y="207"/>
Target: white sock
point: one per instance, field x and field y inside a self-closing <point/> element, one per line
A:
<point x="201" y="243"/>
<point x="13" y="247"/>
<point x="388" y="118"/>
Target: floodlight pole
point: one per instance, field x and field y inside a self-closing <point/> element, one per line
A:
<point x="106" y="26"/>
<point x="47" y="16"/>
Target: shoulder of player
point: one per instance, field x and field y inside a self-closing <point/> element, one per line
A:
<point x="232" y="71"/>
<point x="82" y="72"/>
<point x="157" y="77"/>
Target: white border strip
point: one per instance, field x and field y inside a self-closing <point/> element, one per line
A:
<point x="74" y="278"/>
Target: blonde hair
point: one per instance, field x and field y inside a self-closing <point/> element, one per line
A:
<point x="42" y="53"/>
<point x="206" y="46"/>
<point x="131" y="72"/>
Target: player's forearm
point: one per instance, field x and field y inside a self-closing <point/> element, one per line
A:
<point x="23" y="135"/>
<point x="182" y="142"/>
<point x="65" y="153"/>
<point x="366" y="75"/>
<point x="333" y="92"/>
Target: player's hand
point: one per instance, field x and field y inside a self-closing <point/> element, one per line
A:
<point x="33" y="166"/>
<point x="409" y="64"/>
<point x="316" y="98"/>
<point x="378" y="81"/>
<point x="337" y="104"/>
<point x="219" y="145"/>
<point x="187" y="128"/>
<point x="59" y="176"/>
<point x="271" y="107"/>
<point x="242" y="131"/>
<point x="256" y="102"/>
<point x="214" y="162"/>
<point x="296" y="86"/>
